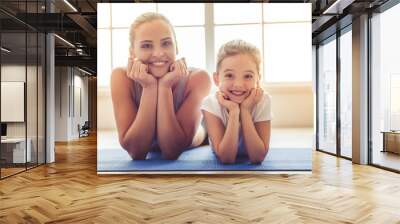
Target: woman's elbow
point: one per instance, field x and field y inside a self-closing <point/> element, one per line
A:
<point x="256" y="160"/>
<point x="226" y="159"/>
<point x="170" y="155"/>
<point x="171" y="151"/>
<point x="135" y="152"/>
<point x="259" y="158"/>
<point x="168" y="152"/>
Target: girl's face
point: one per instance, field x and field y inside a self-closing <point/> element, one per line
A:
<point x="236" y="76"/>
<point x="154" y="46"/>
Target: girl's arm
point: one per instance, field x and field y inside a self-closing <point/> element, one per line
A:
<point x="136" y="126"/>
<point x="256" y="137"/>
<point x="175" y="132"/>
<point x="224" y="140"/>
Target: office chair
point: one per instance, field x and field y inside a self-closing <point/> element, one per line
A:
<point x="84" y="130"/>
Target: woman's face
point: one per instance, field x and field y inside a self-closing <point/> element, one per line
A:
<point x="236" y="77"/>
<point x="154" y="46"/>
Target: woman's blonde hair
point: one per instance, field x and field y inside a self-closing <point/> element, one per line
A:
<point x="145" y="18"/>
<point x="238" y="46"/>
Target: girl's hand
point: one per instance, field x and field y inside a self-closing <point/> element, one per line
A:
<point x="224" y="101"/>
<point x="178" y="69"/>
<point x="251" y="100"/>
<point x="138" y="72"/>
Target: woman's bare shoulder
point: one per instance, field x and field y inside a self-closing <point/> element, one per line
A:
<point x="120" y="82"/>
<point x="118" y="73"/>
<point x="119" y="77"/>
<point x="199" y="80"/>
<point x="198" y="72"/>
<point x="200" y="77"/>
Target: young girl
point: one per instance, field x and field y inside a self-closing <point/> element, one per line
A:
<point x="157" y="99"/>
<point x="238" y="116"/>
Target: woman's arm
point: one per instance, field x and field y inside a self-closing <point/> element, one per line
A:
<point x="136" y="126"/>
<point x="256" y="137"/>
<point x="175" y="132"/>
<point x="224" y="140"/>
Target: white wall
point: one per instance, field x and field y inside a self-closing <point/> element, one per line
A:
<point x="79" y="117"/>
<point x="292" y="105"/>
<point x="70" y="83"/>
<point x="61" y="103"/>
<point x="14" y="73"/>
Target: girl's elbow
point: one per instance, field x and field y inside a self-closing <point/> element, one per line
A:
<point x="224" y="156"/>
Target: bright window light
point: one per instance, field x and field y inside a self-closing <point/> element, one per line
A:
<point x="103" y="9"/>
<point x="286" y="41"/>
<point x="287" y="12"/>
<point x="182" y="14"/>
<point x="224" y="34"/>
<point x="236" y="13"/>
<point x="103" y="57"/>
<point x="191" y="45"/>
<point x="287" y="52"/>
<point x="123" y="14"/>
<point x="120" y="47"/>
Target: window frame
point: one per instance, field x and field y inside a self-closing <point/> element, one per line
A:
<point x="209" y="29"/>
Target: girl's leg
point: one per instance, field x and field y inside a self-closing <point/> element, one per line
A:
<point x="199" y="137"/>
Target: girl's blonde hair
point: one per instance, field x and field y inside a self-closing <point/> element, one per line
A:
<point x="238" y="46"/>
<point x="145" y="18"/>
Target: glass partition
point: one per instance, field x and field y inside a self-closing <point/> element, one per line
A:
<point x="31" y="98"/>
<point x="346" y="93"/>
<point x="13" y="93"/>
<point x="41" y="91"/>
<point x="22" y="91"/>
<point x="327" y="96"/>
<point x="385" y="89"/>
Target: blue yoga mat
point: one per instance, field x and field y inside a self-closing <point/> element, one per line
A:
<point x="203" y="159"/>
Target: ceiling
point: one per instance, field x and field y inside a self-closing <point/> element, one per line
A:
<point x="77" y="27"/>
<point x="332" y="15"/>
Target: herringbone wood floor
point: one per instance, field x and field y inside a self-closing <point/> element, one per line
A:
<point x="70" y="191"/>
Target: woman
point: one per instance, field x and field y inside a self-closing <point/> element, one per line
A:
<point x="157" y="99"/>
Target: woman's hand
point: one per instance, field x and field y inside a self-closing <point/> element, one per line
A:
<point x="138" y="72"/>
<point x="224" y="101"/>
<point x="176" y="71"/>
<point x="252" y="99"/>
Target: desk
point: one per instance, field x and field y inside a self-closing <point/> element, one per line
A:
<point x="15" y="148"/>
<point x="391" y="141"/>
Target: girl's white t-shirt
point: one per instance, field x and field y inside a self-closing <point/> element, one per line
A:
<point x="261" y="112"/>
